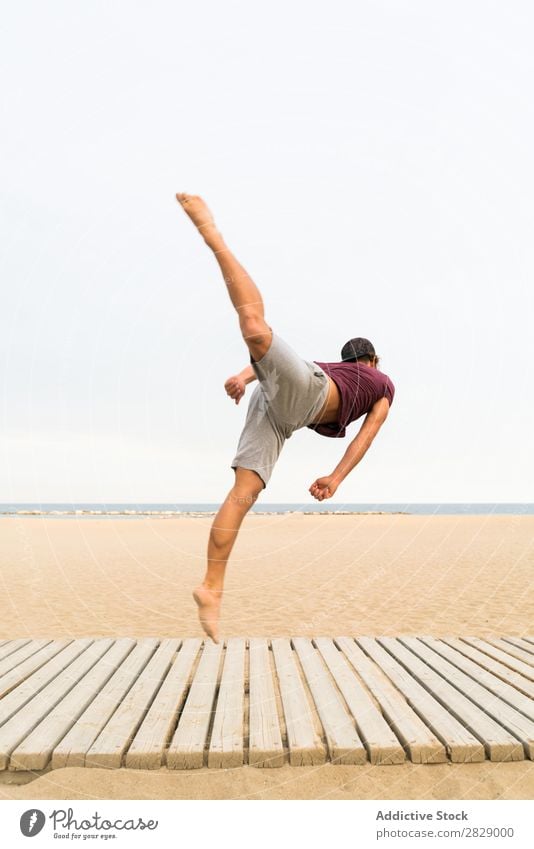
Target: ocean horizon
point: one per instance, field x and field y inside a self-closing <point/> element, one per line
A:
<point x="139" y="510"/>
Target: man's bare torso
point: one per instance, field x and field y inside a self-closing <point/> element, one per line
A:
<point x="332" y="408"/>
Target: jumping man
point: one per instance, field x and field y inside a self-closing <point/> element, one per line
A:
<point x="292" y="393"/>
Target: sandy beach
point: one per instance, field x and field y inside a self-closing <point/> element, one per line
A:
<point x="289" y="575"/>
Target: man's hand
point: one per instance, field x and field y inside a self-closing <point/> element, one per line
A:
<point x="324" y="487"/>
<point x="235" y="387"/>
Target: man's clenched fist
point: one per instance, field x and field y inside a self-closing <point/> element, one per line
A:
<point x="235" y="388"/>
<point x="323" y="487"/>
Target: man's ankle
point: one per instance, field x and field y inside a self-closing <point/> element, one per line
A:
<point x="212" y="237"/>
<point x="213" y="588"/>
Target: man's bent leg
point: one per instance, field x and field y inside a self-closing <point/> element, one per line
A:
<point x="243" y="292"/>
<point x="223" y="535"/>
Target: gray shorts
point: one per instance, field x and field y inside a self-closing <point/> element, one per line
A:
<point x="290" y="394"/>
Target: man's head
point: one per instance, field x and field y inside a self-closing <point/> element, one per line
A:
<point x="359" y="350"/>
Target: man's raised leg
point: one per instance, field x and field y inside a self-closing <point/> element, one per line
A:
<point x="223" y="534"/>
<point x="248" y="303"/>
<point x="243" y="292"/>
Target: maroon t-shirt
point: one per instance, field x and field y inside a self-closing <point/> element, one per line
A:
<point x="360" y="387"/>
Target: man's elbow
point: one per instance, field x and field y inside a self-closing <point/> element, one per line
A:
<point x="374" y="424"/>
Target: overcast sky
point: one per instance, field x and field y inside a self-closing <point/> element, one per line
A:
<point x="370" y="163"/>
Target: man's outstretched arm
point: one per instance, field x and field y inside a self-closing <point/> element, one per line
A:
<point x="235" y="385"/>
<point x="325" y="487"/>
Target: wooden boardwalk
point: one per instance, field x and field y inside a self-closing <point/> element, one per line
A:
<point x="185" y="704"/>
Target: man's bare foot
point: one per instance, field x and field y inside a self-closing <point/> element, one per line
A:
<point x="200" y="215"/>
<point x="209" y="605"/>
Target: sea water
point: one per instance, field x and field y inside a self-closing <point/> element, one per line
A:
<point x="167" y="510"/>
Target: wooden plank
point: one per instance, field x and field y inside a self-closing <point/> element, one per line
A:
<point x="147" y="750"/>
<point x="14" y="701"/>
<point x="382" y="745"/>
<point x="61" y="699"/>
<point x="35" y="750"/>
<point x="186" y="750"/>
<point x="522" y="644"/>
<point x="226" y="744"/>
<point x="519" y="653"/>
<point x="72" y="749"/>
<point x="109" y="747"/>
<point x="265" y="738"/>
<point x="519" y="726"/>
<point x="13" y="661"/>
<point x="495" y="666"/>
<point x="16" y="676"/>
<point x="343" y="741"/>
<point x="499" y="744"/>
<point x="500" y="688"/>
<point x="505" y="657"/>
<point x="9" y="648"/>
<point x="305" y="745"/>
<point x="35" y="709"/>
<point x="462" y="745"/>
<point x="415" y="736"/>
